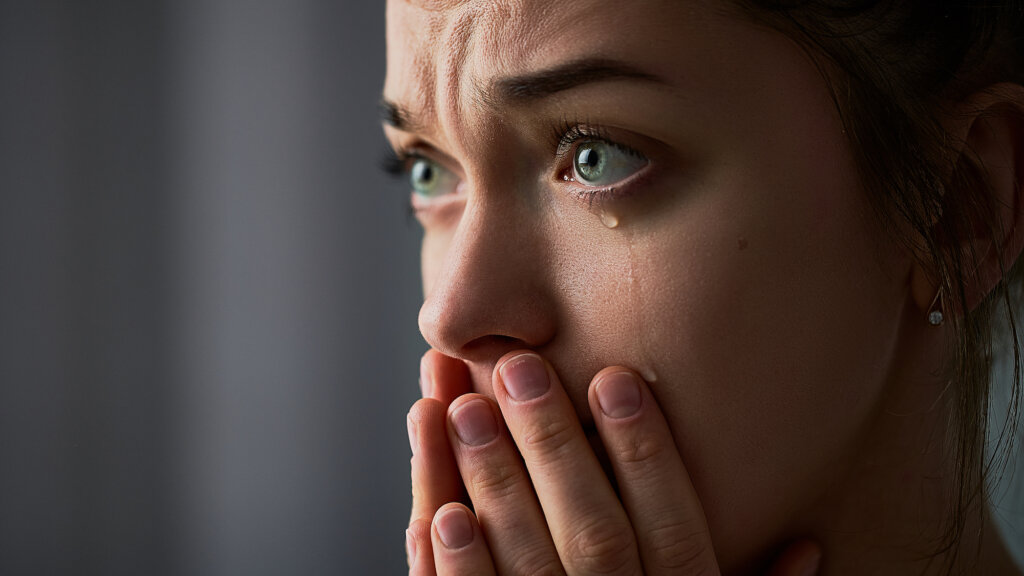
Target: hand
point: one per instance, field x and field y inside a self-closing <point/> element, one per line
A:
<point x="542" y="502"/>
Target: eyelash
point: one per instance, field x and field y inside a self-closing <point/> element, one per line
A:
<point x="396" y="164"/>
<point x="565" y="136"/>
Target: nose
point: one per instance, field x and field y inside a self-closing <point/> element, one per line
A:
<point x="491" y="294"/>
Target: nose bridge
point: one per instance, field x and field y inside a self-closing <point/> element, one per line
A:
<point x="490" y="293"/>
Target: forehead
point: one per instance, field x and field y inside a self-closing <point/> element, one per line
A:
<point x="435" y="44"/>
<point x="439" y="51"/>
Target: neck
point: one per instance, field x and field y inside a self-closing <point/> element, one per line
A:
<point x="890" y="510"/>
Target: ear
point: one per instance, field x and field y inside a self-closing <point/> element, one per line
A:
<point x="991" y="126"/>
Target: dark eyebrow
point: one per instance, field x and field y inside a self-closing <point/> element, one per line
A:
<point x="532" y="86"/>
<point x="395" y="115"/>
<point x="539" y="85"/>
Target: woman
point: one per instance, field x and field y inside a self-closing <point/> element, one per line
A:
<point x="706" y="281"/>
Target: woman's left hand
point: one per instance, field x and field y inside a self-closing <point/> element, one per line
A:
<point x="543" y="504"/>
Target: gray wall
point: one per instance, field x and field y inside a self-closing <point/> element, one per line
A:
<point x="208" y="294"/>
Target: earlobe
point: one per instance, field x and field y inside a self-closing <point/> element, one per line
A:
<point x="986" y="181"/>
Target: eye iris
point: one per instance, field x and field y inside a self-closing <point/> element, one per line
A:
<point x="424" y="177"/>
<point x="590" y="162"/>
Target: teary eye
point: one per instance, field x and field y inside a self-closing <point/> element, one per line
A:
<point x="598" y="163"/>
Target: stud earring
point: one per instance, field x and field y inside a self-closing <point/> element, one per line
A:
<point x="935" y="317"/>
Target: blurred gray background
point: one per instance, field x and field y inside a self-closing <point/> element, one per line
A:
<point x="208" y="292"/>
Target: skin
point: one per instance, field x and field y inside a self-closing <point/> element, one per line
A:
<point x="776" y="332"/>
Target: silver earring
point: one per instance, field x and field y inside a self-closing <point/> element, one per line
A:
<point x="935" y="317"/>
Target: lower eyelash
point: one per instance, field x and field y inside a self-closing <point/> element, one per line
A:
<point x="599" y="197"/>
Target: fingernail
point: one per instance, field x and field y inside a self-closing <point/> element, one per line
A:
<point x="426" y="386"/>
<point x="474" y="423"/>
<point x="412" y="433"/>
<point x="454" y="528"/>
<point x="525" y="377"/>
<point x="618" y="394"/>
<point x="410" y="548"/>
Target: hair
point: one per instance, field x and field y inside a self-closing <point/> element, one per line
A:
<point x="895" y="68"/>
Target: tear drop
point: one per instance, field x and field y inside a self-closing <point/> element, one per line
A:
<point x="610" y="220"/>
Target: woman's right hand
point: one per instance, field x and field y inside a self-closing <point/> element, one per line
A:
<point x="438" y="483"/>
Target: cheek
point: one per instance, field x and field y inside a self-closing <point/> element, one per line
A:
<point x="770" y="325"/>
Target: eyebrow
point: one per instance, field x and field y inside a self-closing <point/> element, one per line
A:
<point x="395" y="115"/>
<point x="573" y="74"/>
<point x="518" y="90"/>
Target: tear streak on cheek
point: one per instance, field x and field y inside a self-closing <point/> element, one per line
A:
<point x="640" y="316"/>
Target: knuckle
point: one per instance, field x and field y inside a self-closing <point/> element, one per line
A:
<point x="537" y="562"/>
<point x="548" y="437"/>
<point x="641" y="451"/>
<point x="680" y="546"/>
<point x="601" y="547"/>
<point x="494" y="480"/>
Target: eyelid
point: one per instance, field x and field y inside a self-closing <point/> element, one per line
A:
<point x="569" y="135"/>
<point x="403" y="154"/>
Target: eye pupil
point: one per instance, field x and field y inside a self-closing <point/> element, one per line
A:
<point x="589" y="162"/>
<point x="588" y="157"/>
<point x="423" y="174"/>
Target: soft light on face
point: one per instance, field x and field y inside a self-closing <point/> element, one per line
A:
<point x="661" y="185"/>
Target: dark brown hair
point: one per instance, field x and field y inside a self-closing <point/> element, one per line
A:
<point x="895" y="67"/>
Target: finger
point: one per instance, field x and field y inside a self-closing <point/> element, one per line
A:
<point x="666" y="515"/>
<point x="589" y="527"/>
<point x="435" y="477"/>
<point x="419" y="549"/>
<point x="458" y="543"/>
<point x="502" y="495"/>
<point x="802" y="558"/>
<point x="443" y="378"/>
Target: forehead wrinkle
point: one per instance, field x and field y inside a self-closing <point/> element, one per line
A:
<point x="453" y="68"/>
<point x="522" y="28"/>
<point x="512" y="32"/>
<point x="413" y="80"/>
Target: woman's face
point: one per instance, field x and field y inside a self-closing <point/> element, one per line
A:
<point x="661" y="185"/>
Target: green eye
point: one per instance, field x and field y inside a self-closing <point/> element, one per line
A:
<point x="599" y="163"/>
<point x="430" y="180"/>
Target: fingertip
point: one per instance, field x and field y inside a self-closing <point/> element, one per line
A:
<point x="457" y="542"/>
<point x="442" y="377"/>
<point x="417" y="541"/>
<point x="513" y="355"/>
<point x="425" y="410"/>
<point x="472" y="424"/>
<point x="454" y="526"/>
<point x="425" y="375"/>
<point x="618" y="394"/>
